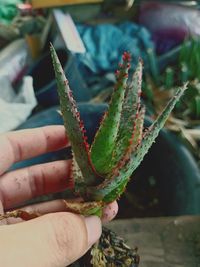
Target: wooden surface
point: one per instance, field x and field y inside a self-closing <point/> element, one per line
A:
<point x="163" y="242"/>
<point x="55" y="3"/>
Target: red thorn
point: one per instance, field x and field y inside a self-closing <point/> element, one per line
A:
<point x="78" y="115"/>
<point x="126" y="56"/>
<point x="117" y="73"/>
<point x="70" y="94"/>
<point x="139" y="141"/>
<point x="128" y="65"/>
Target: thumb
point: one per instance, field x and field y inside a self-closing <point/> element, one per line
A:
<point x="52" y="240"/>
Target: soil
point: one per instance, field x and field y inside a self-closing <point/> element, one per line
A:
<point x="141" y="198"/>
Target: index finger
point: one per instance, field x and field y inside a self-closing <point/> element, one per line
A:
<point x="23" y="144"/>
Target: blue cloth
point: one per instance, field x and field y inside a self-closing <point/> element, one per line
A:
<point x="106" y="43"/>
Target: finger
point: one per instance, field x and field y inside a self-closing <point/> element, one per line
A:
<point x="52" y="206"/>
<point x="24" y="144"/>
<point x="56" y="239"/>
<point x="21" y="185"/>
<point x="58" y="205"/>
<point x="4" y="221"/>
<point x="109" y="212"/>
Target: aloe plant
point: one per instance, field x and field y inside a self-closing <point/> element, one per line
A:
<point x="101" y="171"/>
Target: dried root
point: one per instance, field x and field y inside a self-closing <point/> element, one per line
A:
<point x="24" y="215"/>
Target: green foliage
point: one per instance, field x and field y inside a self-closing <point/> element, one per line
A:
<point x="102" y="171"/>
<point x="186" y="68"/>
<point x="106" y="137"/>
<point x="189" y="63"/>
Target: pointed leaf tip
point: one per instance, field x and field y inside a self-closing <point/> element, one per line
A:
<point x="129" y="116"/>
<point x="73" y="125"/>
<point x="105" y="139"/>
<point x="126" y="56"/>
<point x="112" y="188"/>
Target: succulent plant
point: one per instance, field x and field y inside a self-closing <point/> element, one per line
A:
<point x="101" y="171"/>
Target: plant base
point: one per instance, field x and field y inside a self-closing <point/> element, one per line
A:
<point x="110" y="251"/>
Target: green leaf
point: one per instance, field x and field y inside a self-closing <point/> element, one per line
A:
<point x="197" y="106"/>
<point x="134" y="142"/>
<point x="105" y="139"/>
<point x="112" y="188"/>
<point x="128" y="122"/>
<point x="73" y="125"/>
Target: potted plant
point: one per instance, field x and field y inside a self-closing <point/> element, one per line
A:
<point x="101" y="171"/>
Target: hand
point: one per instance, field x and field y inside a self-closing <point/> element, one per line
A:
<point x="57" y="238"/>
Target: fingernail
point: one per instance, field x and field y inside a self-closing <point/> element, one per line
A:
<point x="94" y="228"/>
<point x="109" y="212"/>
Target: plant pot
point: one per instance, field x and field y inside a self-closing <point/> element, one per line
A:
<point x="166" y="183"/>
<point x="44" y="82"/>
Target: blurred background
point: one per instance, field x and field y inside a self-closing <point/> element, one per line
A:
<point x="90" y="37"/>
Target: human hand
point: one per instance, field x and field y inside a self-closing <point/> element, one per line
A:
<point x="57" y="238"/>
